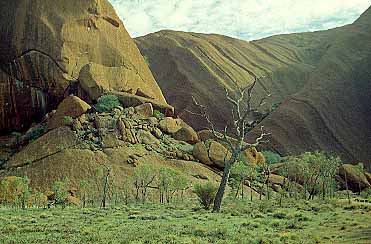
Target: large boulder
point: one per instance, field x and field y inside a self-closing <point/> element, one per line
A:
<point x="145" y="110"/>
<point x="71" y="106"/>
<point x="355" y="179"/>
<point x="85" y="50"/>
<point x="200" y="152"/>
<point x="219" y="154"/>
<point x="145" y="137"/>
<point x="252" y="156"/>
<point x="170" y="125"/>
<point x="187" y="134"/>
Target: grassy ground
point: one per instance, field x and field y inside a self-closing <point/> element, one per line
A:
<point x="239" y="222"/>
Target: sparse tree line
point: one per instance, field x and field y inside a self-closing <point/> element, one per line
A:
<point x="162" y="185"/>
<point x="308" y="176"/>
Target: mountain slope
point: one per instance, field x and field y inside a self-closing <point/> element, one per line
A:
<point x="320" y="79"/>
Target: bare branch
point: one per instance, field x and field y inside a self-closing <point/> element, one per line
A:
<point x="258" y="140"/>
<point x="205" y="115"/>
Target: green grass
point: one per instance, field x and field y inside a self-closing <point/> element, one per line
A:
<point x="239" y="222"/>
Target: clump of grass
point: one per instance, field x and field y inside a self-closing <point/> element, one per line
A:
<point x="106" y="103"/>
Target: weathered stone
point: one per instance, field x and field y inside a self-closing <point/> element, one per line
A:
<point x="145" y="137"/>
<point x="355" y="179"/>
<point x="153" y="121"/>
<point x="76" y="125"/>
<point x="252" y="156"/>
<point x="71" y="106"/>
<point x="157" y="133"/>
<point x="218" y="154"/>
<point x="170" y="125"/>
<point x="145" y="110"/>
<point x="200" y="152"/>
<point x="276" y="179"/>
<point x="187" y="134"/>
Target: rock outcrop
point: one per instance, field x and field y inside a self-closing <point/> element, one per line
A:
<point x="71" y="106"/>
<point x="50" y="49"/>
<point x="354" y="177"/>
<point x="319" y="83"/>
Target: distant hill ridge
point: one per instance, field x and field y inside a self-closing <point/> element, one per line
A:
<point x="320" y="79"/>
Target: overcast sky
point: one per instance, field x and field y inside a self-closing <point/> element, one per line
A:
<point x="244" y="19"/>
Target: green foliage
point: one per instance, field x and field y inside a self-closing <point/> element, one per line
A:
<point x="60" y="189"/>
<point x="272" y="157"/>
<point x="35" y="133"/>
<point x="68" y="120"/>
<point x="142" y="179"/>
<point x="206" y="193"/>
<point x="240" y="172"/>
<point x="317" y="170"/>
<point x="15" y="191"/>
<point x="106" y="103"/>
<point x="170" y="182"/>
<point x="2" y="164"/>
<point x="157" y="114"/>
<point x="17" y="137"/>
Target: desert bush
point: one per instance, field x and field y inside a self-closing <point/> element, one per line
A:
<point x="106" y="103"/>
<point x="35" y="133"/>
<point x="272" y="157"/>
<point x="157" y="114"/>
<point x="68" y="120"/>
<point x="60" y="189"/>
<point x="206" y="194"/>
<point x="2" y="164"/>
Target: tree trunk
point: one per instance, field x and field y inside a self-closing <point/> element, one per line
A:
<point x="346" y="186"/>
<point x="105" y="189"/>
<point x="221" y="190"/>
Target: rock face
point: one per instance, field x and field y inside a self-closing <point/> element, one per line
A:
<point x="319" y="81"/>
<point x="50" y="49"/>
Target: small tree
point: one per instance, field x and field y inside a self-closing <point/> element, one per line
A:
<point x="167" y="179"/>
<point x="83" y="190"/>
<point x="206" y="193"/>
<point x="142" y="179"/>
<point x="60" y="189"/>
<point x="241" y="172"/>
<point x="360" y="170"/>
<point x="107" y="172"/>
<point x="246" y="116"/>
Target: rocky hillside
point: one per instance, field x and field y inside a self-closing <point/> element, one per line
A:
<point x="50" y="49"/>
<point x="320" y="82"/>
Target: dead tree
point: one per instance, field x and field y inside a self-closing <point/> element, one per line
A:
<point x="244" y="120"/>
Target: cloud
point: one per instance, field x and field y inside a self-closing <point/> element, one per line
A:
<point x="245" y="19"/>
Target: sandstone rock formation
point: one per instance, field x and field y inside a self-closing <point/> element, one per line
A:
<point x="51" y="49"/>
<point x="319" y="81"/>
<point x="71" y="106"/>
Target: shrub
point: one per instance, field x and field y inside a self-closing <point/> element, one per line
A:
<point x="205" y="193"/>
<point x="157" y="114"/>
<point x="272" y="157"/>
<point x="106" y="103"/>
<point x="35" y="133"/>
<point x="2" y="164"/>
<point x="68" y="120"/>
